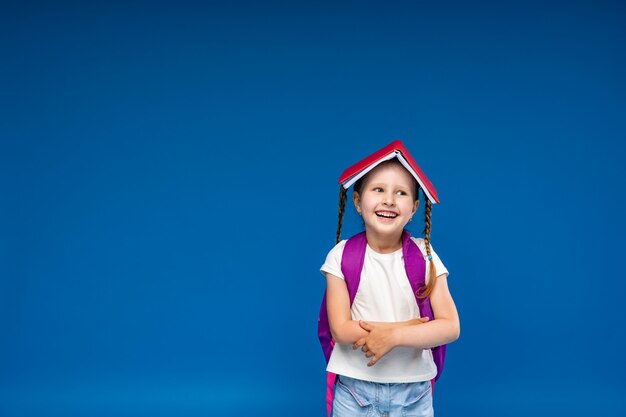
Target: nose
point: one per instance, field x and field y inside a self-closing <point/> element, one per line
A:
<point x="389" y="199"/>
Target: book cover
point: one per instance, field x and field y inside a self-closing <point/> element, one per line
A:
<point x="395" y="149"/>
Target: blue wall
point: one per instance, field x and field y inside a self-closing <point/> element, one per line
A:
<point x="169" y="179"/>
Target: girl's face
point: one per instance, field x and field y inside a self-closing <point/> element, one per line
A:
<point x="387" y="200"/>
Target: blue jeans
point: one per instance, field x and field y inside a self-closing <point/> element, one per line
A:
<point x="354" y="397"/>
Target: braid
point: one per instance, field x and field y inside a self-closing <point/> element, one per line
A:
<point x="432" y="276"/>
<point x="427" y="223"/>
<point x="342" y="205"/>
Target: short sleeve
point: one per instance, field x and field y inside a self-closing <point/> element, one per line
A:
<point x="440" y="268"/>
<point x="332" y="265"/>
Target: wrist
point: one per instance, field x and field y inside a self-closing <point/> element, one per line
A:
<point x="396" y="336"/>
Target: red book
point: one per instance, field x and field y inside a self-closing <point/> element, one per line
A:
<point x="395" y="149"/>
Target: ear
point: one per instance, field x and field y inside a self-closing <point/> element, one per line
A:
<point x="415" y="206"/>
<point x="356" y="199"/>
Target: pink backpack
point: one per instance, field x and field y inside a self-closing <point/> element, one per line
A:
<point x="351" y="266"/>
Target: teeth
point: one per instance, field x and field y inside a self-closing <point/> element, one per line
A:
<point x="388" y="215"/>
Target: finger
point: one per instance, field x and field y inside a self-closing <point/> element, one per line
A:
<point x="364" y="348"/>
<point x="373" y="361"/>
<point x="365" y="325"/>
<point x="358" y="343"/>
<point x="369" y="354"/>
<point x="424" y="319"/>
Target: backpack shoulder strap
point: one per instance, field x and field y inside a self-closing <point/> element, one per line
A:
<point x="351" y="265"/>
<point x="415" y="266"/>
<point x="352" y="262"/>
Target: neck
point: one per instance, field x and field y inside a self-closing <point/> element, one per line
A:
<point x="383" y="244"/>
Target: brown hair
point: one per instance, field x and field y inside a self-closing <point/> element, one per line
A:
<point x="342" y="206"/>
<point x="427" y="289"/>
<point x="432" y="274"/>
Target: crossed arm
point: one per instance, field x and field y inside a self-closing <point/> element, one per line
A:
<point x="376" y="338"/>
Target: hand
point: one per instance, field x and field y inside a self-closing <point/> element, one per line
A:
<point x="381" y="338"/>
<point x="392" y="325"/>
<point x="379" y="342"/>
<point x="417" y="321"/>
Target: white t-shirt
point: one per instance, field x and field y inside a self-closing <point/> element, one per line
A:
<point x="384" y="295"/>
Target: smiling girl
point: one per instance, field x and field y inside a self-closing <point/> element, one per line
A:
<point x="383" y="345"/>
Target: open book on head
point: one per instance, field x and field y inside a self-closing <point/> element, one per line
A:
<point x="395" y="149"/>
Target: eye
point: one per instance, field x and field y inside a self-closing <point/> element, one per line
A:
<point x="378" y="189"/>
<point x="401" y="193"/>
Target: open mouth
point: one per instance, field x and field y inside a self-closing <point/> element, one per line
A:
<point x="387" y="214"/>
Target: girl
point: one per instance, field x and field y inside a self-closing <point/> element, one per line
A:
<point x="382" y="353"/>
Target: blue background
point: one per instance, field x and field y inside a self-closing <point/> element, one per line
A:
<point x="169" y="192"/>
